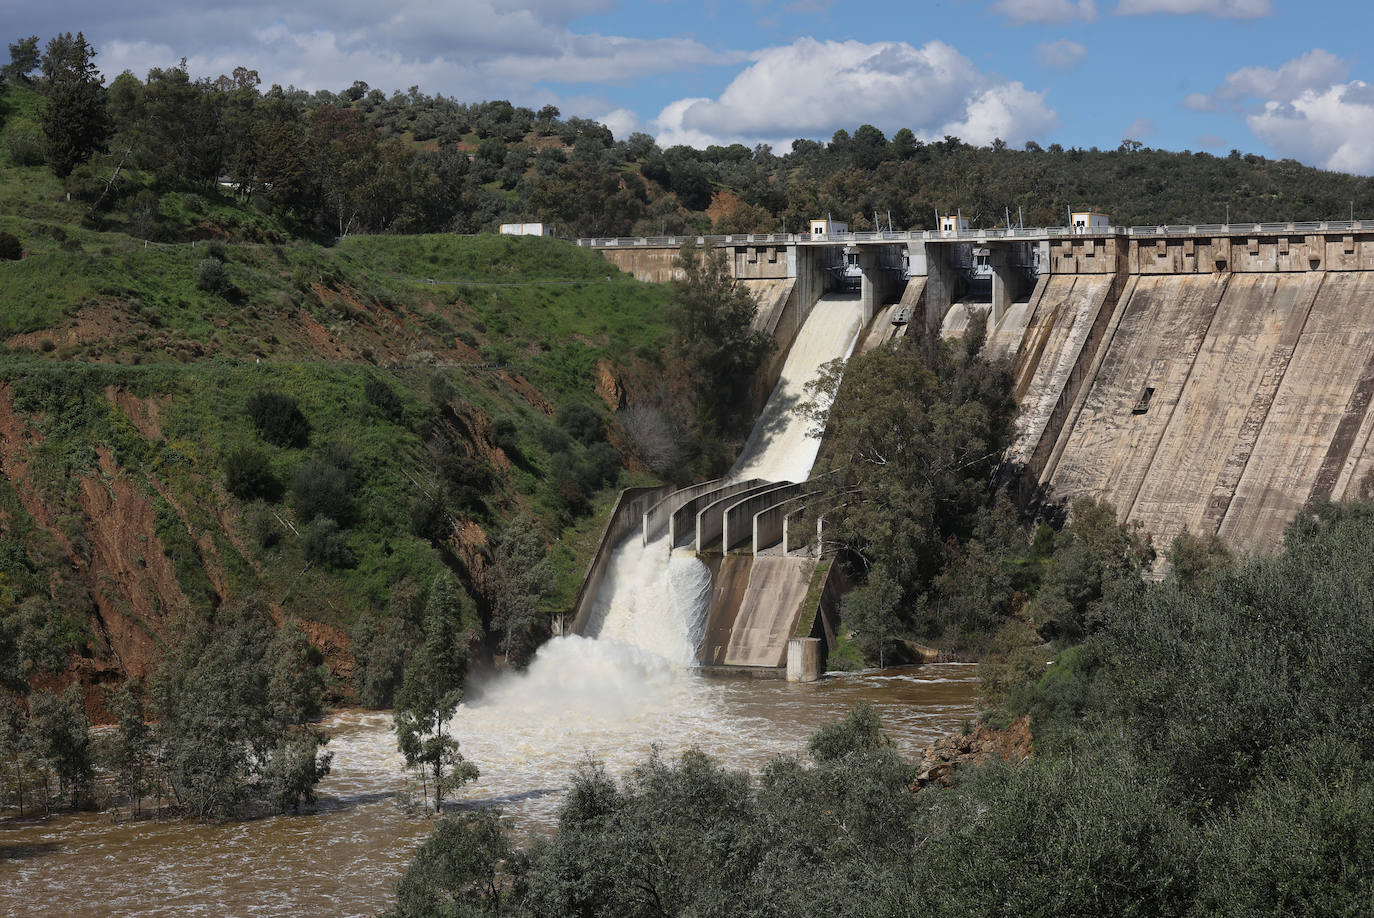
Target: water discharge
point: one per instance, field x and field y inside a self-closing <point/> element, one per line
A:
<point x="778" y="448"/>
<point x="610" y="699"/>
<point x="654" y="599"/>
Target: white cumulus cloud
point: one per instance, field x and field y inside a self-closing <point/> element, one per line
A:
<point x="1332" y="127"/>
<point x="1047" y="12"/>
<point x="1221" y="9"/>
<point x="467" y="48"/>
<point x="1140" y="129"/>
<point x="622" y="122"/>
<point x="1317" y="69"/>
<point x="1060" y="55"/>
<point x="811" y="88"/>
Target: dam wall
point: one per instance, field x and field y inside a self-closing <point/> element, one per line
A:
<point x="1218" y="382"/>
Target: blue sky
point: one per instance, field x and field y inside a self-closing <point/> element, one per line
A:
<point x="1277" y="77"/>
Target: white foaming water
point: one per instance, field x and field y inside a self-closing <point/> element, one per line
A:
<point x="632" y="687"/>
<point x="653" y="599"/>
<point x="778" y="448"/>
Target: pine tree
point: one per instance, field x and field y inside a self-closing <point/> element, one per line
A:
<point x="74" y="117"/>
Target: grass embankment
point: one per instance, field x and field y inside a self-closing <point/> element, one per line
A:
<point x="114" y="346"/>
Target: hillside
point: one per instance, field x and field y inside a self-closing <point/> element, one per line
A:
<point x="431" y="373"/>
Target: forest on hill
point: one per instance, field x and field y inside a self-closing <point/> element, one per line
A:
<point x="361" y="160"/>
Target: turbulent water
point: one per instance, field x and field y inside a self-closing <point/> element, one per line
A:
<point x="609" y="699"/>
<point x="778" y="448"/>
<point x="653" y="599"/>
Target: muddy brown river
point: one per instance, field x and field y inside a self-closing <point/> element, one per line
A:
<point x="581" y="699"/>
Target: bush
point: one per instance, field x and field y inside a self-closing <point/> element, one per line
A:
<point x="262" y="526"/>
<point x="324" y="543"/>
<point x="10" y="249"/>
<point x="428" y="519"/>
<point x="25" y="149"/>
<point x="217" y="250"/>
<point x="506" y="437"/>
<point x="323" y="486"/>
<point x="279" y="419"/>
<point x="469" y="479"/>
<point x="582" y="423"/>
<point x="384" y="399"/>
<point x="248" y="474"/>
<point x="211" y="276"/>
<point x="194" y="203"/>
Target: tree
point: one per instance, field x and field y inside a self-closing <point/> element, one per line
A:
<point x="458" y="870"/>
<point x="432" y="689"/>
<point x="918" y="429"/>
<point x="523" y="577"/>
<point x="15" y="748"/>
<point x="73" y="115"/>
<point x="1095" y="557"/>
<point x="132" y="748"/>
<point x="279" y="419"/>
<point x="711" y="314"/>
<point x="60" y="736"/>
<point x="24" y="60"/>
<point x="235" y="701"/>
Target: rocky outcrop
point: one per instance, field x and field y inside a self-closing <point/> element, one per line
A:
<point x="947" y="754"/>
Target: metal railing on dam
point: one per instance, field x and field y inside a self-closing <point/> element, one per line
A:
<point x="1020" y="233"/>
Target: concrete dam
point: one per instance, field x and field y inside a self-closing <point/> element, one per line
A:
<point x="1213" y="378"/>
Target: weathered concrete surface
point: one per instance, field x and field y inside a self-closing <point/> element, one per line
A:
<point x="1005" y="335"/>
<point x="1068" y="314"/>
<point x="1220" y="401"/>
<point x="1232" y="381"/>
<point x="803" y="659"/>
<point x="768" y="611"/>
<point x="738" y="526"/>
<point x="682" y="524"/>
<point x="729" y="582"/>
<point x="711" y="518"/>
<point x="1327" y="379"/>
<point x="1111" y="446"/>
<point x="657" y="516"/>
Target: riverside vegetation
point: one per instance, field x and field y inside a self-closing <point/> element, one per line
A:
<point x="231" y="451"/>
<point x="1203" y="750"/>
<point x="255" y="472"/>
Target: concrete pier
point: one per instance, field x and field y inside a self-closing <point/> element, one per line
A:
<point x="803" y="659"/>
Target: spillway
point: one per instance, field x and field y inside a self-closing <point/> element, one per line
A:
<point x="778" y="448"/>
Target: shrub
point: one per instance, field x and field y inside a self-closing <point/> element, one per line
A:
<point x="248" y="474"/>
<point x="211" y="276"/>
<point x="262" y="526"/>
<point x="324" y="543"/>
<point x="441" y="389"/>
<point x="384" y="399"/>
<point x="469" y="479"/>
<point x="582" y="423"/>
<point x="279" y="419"/>
<point x="505" y="436"/>
<point x="193" y="202"/>
<point x="428" y="519"/>
<point x="25" y="149"/>
<point x="217" y="250"/>
<point x="10" y="249"/>
<point x="323" y="486"/>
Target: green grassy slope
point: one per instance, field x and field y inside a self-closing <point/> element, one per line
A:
<point x="126" y="379"/>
